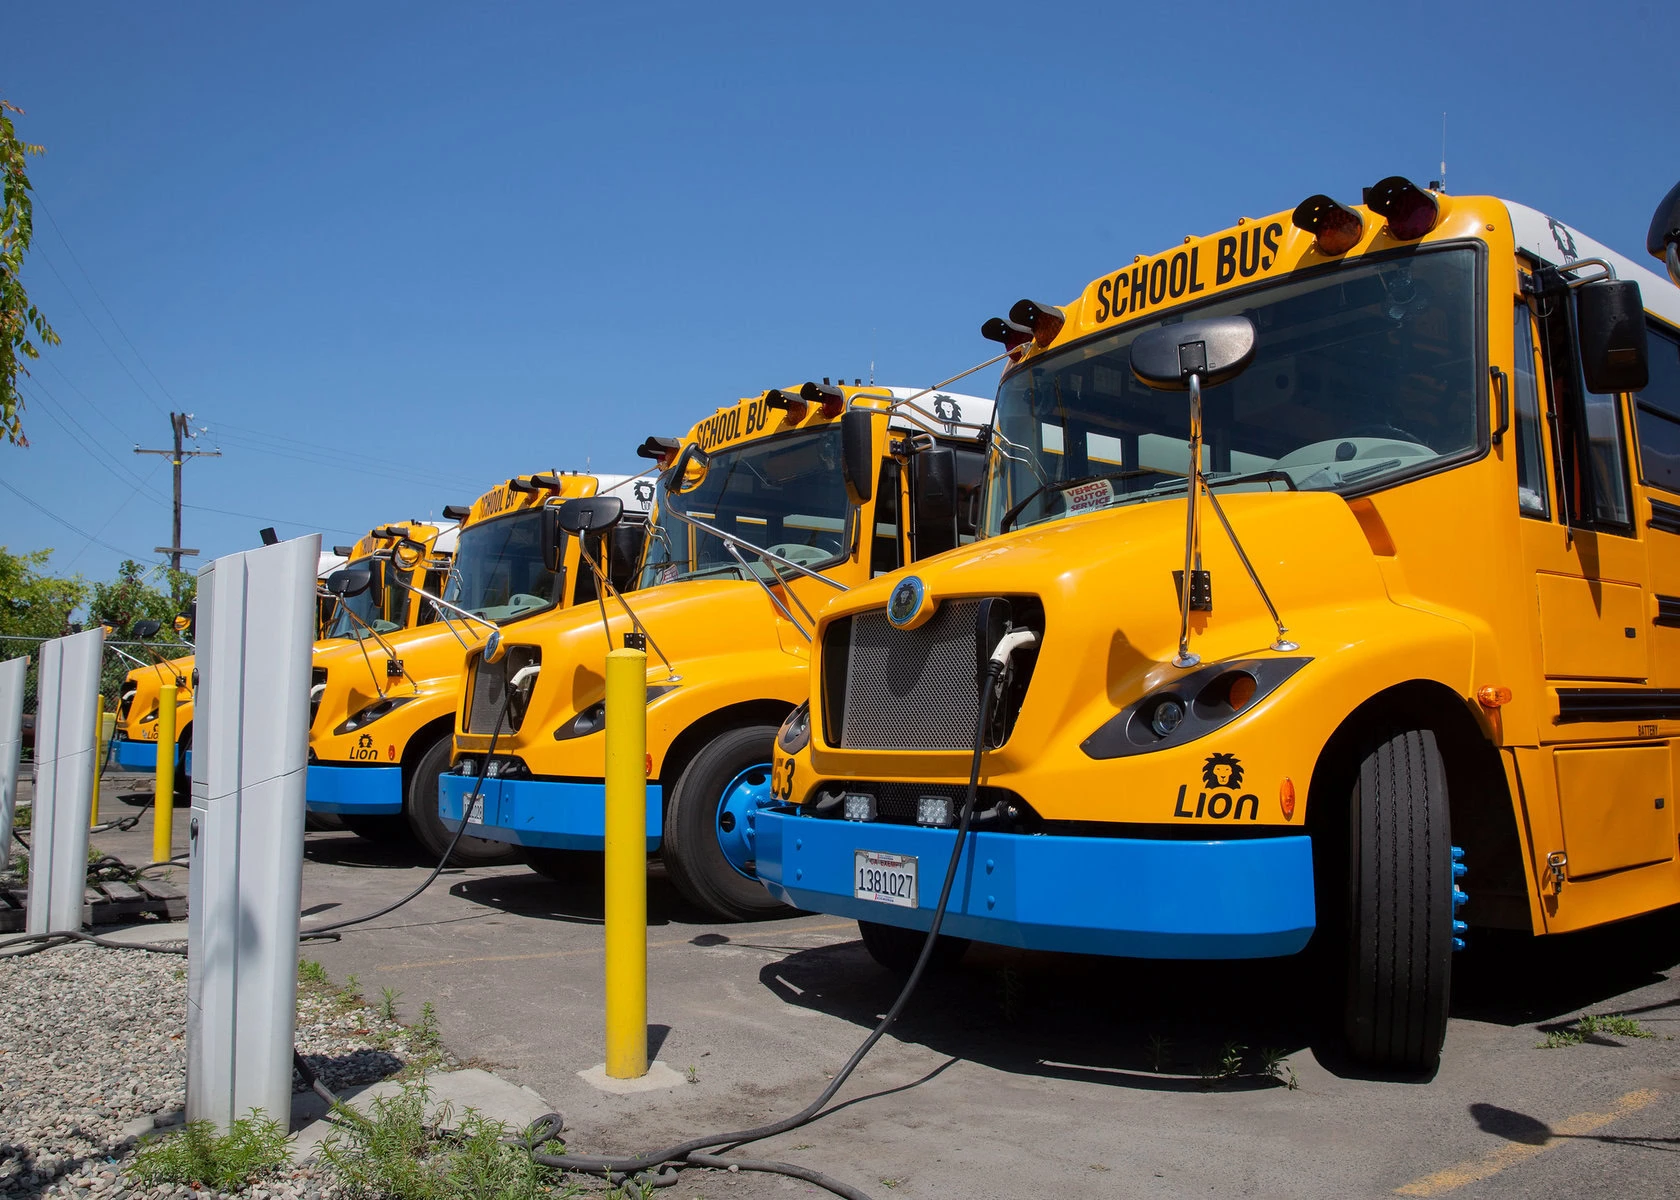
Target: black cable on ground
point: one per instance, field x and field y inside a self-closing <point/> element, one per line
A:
<point x="63" y="937"/>
<point x="548" y="1128"/>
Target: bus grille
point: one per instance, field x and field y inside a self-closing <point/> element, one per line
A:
<point x="489" y="690"/>
<point x="908" y="689"/>
<point x="317" y="689"/>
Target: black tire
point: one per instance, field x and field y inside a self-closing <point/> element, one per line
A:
<point x="693" y="859"/>
<point x="384" y="829"/>
<point x="564" y="866"/>
<point x="183" y="782"/>
<point x="420" y="808"/>
<point x="1399" y="915"/>
<point x="898" y="949"/>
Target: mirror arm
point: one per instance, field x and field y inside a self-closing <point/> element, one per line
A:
<point x="1577" y="264"/>
<point x="856" y="525"/>
<point x="768" y="590"/>
<point x="391" y="655"/>
<point x="730" y="538"/>
<point x="603" y="584"/>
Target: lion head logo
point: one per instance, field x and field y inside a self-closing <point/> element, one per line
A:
<point x="946" y="409"/>
<point x="1565" y="240"/>
<point x="644" y="491"/>
<point x="365" y="741"/>
<point x="1222" y="771"/>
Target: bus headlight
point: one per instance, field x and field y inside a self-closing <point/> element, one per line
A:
<point x="372" y="713"/>
<point x="795" y="733"/>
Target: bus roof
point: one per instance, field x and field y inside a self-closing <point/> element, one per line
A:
<point x="1551" y="241"/>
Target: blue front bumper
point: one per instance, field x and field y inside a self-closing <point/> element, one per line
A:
<point x="552" y="814"/>
<point x="354" y="791"/>
<point x="1090" y="895"/>
<point x="139" y="756"/>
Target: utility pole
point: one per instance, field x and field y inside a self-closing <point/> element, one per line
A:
<point x="178" y="456"/>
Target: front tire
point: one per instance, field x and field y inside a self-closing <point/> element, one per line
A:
<point x="420" y="807"/>
<point x="898" y="949"/>
<point x="565" y="866"/>
<point x="714" y="802"/>
<point x="1399" y="915"/>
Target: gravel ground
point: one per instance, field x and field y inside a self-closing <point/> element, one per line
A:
<point x="91" y="1048"/>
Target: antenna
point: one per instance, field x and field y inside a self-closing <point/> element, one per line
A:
<point x="1443" y="152"/>
<point x="872" y="358"/>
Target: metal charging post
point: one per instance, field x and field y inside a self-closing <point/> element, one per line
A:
<point x="163" y="791"/>
<point x="65" y="748"/>
<point x="626" y="861"/>
<point x="256" y="624"/>
<point x="12" y="675"/>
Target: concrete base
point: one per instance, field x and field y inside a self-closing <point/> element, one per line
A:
<point x="490" y="1095"/>
<point x="658" y="1078"/>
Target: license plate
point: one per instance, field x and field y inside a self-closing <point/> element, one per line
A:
<point x="475" y="809"/>
<point x="887" y="878"/>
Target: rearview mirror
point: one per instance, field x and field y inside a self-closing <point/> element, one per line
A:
<point x="589" y="514"/>
<point x="933" y="501"/>
<point x="553" y="540"/>
<point x="1214" y="350"/>
<point x="1610" y="324"/>
<point x="349" y="581"/>
<point x="857" y="454"/>
<point x="628" y="539"/>
<point x="1663" y="240"/>
<point x="145" y="629"/>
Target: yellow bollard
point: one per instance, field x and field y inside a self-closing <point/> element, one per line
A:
<point x="163" y="795"/>
<point x="98" y="758"/>
<point x="626" y="864"/>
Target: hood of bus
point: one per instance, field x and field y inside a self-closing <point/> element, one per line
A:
<point x="433" y="662"/>
<point x="1110" y="610"/>
<point x="137" y="700"/>
<point x="709" y="629"/>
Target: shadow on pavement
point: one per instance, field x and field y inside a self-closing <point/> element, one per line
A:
<point x="578" y="901"/>
<point x="345" y="849"/>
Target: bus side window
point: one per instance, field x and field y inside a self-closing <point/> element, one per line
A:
<point x="1531" y="463"/>
<point x="884" y="552"/>
<point x="434" y="584"/>
<point x="1592" y="472"/>
<point x="1656" y="413"/>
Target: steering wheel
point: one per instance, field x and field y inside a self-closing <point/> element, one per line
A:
<point x="800" y="553"/>
<point x="1384" y="430"/>
<point x="524" y="600"/>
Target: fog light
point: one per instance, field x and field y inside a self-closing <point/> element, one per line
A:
<point x="1166" y="717"/>
<point x="467" y="767"/>
<point x="859" y="806"/>
<point x="933" y="810"/>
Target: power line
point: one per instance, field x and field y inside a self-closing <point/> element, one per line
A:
<point x="115" y="510"/>
<point x="318" y="452"/>
<point x="41" y="252"/>
<point x="52" y="361"/>
<point x="101" y="456"/>
<point x="276" y="520"/>
<point x="177" y="459"/>
<point x="47" y="512"/>
<point x="101" y="299"/>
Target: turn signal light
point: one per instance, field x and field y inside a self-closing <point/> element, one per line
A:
<point x="1012" y="336"/>
<point x="832" y="399"/>
<point x="1336" y="228"/>
<point x="1410" y="211"/>
<point x="1493" y="697"/>
<point x="796" y="407"/>
<point x="1286" y="798"/>
<point x="1045" y="320"/>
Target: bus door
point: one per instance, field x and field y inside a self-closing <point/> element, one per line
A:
<point x="1656" y="416"/>
<point x="1610" y="775"/>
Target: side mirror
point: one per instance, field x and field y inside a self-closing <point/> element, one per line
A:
<point x="269" y="537"/>
<point x="857" y="454"/>
<point x="349" y="581"/>
<point x="183" y="623"/>
<point x="1214" y="350"/>
<point x="677" y="481"/>
<point x="1663" y="240"/>
<point x="553" y="540"/>
<point x="628" y="540"/>
<point x="933" y="501"/>
<point x="1610" y="324"/>
<point x="407" y="553"/>
<point x="376" y="584"/>
<point x="145" y="629"/>
<point x="589" y="514"/>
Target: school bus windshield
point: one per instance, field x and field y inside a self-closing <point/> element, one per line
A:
<point x="1361" y="378"/>
<point x="783" y="494"/>
<point x="355" y="615"/>
<point x="499" y="573"/>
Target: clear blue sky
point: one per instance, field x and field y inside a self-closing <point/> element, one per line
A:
<point x="445" y="244"/>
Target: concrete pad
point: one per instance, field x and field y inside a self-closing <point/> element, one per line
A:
<point x="490" y="1095"/>
<point x="658" y="1077"/>
<point x="147" y="933"/>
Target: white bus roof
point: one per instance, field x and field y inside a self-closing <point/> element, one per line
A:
<point x="944" y="407"/>
<point x="1551" y="241"/>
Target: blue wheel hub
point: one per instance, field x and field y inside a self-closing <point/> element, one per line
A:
<point x="737" y="816"/>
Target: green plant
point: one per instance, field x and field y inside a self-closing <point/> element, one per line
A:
<point x="197" y="1156"/>
<point x="1160" y="1051"/>
<point x="397" y="1153"/>
<point x="350" y="995"/>
<point x="693" y="1075"/>
<point x="426" y="1032"/>
<point x="311" y="972"/>
<point x="1231" y="1060"/>
<point x="1610" y="1025"/>
<point x="388" y="1003"/>
<point x="1274" y="1064"/>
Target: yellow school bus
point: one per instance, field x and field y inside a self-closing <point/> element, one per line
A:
<point x="765" y="508"/>
<point x="382" y="709"/>
<point x="1330" y="587"/>
<point x="134" y="744"/>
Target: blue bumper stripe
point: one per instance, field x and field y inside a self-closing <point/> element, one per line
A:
<point x="541" y="812"/>
<point x="354" y="791"/>
<point x="1122" y="896"/>
<point x="139" y="756"/>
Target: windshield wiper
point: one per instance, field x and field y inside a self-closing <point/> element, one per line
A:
<point x="1270" y="474"/>
<point x="1062" y="486"/>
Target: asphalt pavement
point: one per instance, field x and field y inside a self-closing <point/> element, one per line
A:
<point x="1022" y="1074"/>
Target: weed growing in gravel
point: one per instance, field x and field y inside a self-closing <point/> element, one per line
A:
<point x="312" y="972"/>
<point x="1160" y="1051"/>
<point x="396" y="1153"/>
<point x="427" y="1030"/>
<point x="388" y="1003"/>
<point x="197" y="1156"/>
<point x="1612" y="1025"/>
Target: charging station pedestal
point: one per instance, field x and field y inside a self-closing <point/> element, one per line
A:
<point x="256" y="627"/>
<point x="12" y="674"/>
<point x="64" y="765"/>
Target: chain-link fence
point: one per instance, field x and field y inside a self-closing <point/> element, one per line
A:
<point x="113" y="670"/>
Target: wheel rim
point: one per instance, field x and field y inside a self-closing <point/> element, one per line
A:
<point x="737" y="817"/>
